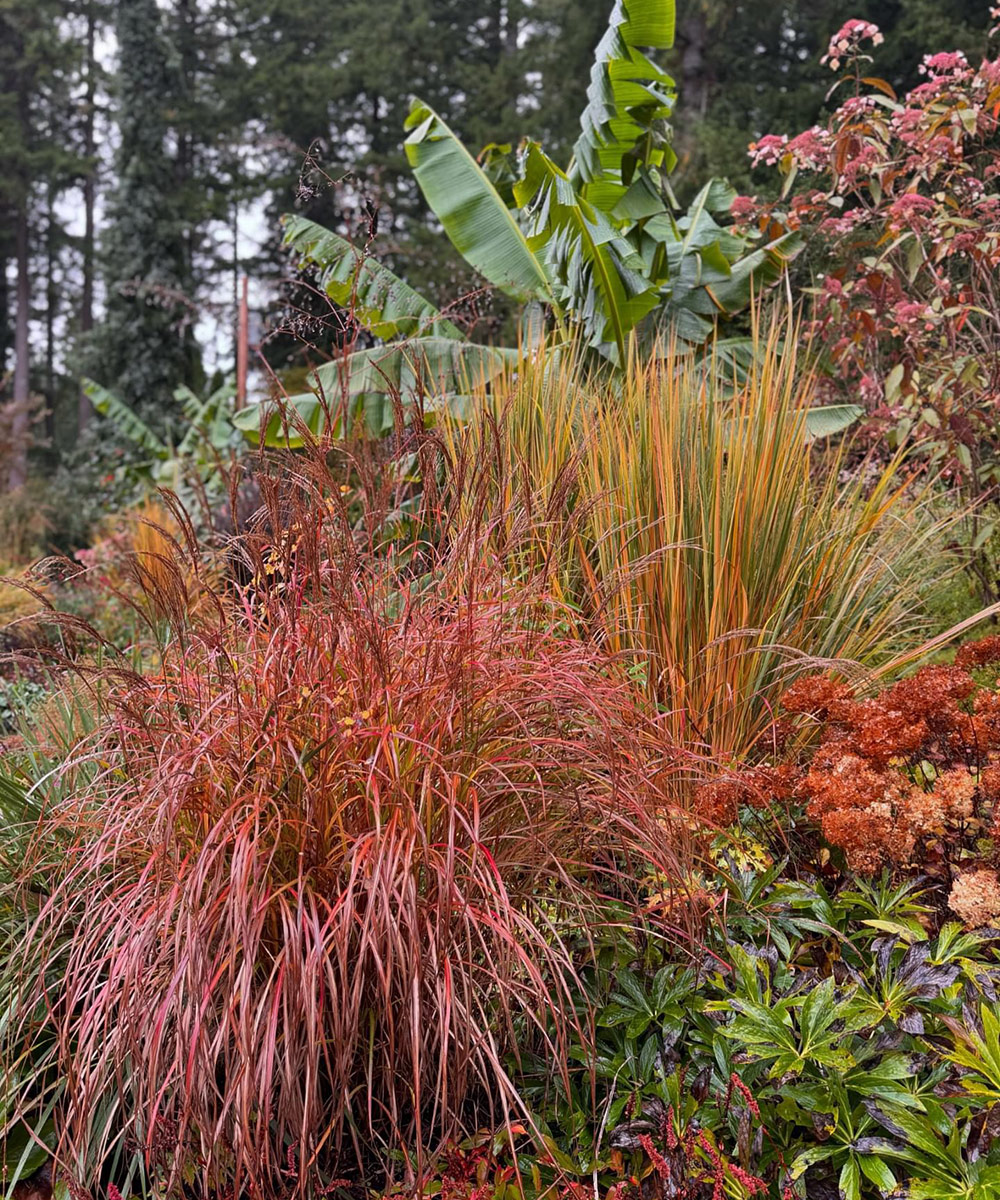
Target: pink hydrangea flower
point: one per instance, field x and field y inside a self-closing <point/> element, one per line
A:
<point x="947" y="65"/>
<point x="988" y="75"/>
<point x="846" y="42"/>
<point x="911" y="203"/>
<point x="912" y="316"/>
<point x="769" y="150"/>
<point x="845" y="223"/>
<point x="906" y="124"/>
<point x="871" y="390"/>
<point x="810" y="150"/>
<point x="866" y="160"/>
<point x="910" y="211"/>
<point x="855" y="108"/>
<point x="930" y="157"/>
<point x="743" y="207"/>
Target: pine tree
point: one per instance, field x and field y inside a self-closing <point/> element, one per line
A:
<point x="37" y="162"/>
<point x="145" y="346"/>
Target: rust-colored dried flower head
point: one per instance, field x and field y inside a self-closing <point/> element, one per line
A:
<point x="956" y="791"/>
<point x="845" y="780"/>
<point x="813" y="695"/>
<point x="989" y="783"/>
<point x="975" y="897"/>
<point x="932" y="695"/>
<point x="899" y="770"/>
<point x="860" y="809"/>
<point x="984" y="653"/>
<point x="879" y="732"/>
<point x="981" y="730"/>
<point x="780" y="734"/>
<point x="869" y="836"/>
<point x="718" y="801"/>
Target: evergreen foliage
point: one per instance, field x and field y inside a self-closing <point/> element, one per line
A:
<point x="146" y="346"/>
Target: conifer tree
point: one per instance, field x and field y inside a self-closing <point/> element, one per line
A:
<point x="37" y="161"/>
<point x="146" y="346"/>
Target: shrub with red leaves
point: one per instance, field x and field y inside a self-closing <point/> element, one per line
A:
<point x="316" y="869"/>
<point x="897" y="196"/>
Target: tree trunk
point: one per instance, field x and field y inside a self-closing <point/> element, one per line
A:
<point x="4" y="310"/>
<point x="51" y="307"/>
<point x="19" y="426"/>
<point x="694" y="82"/>
<point x="85" y="409"/>
<point x="693" y="87"/>
<point x="512" y="26"/>
<point x="186" y="166"/>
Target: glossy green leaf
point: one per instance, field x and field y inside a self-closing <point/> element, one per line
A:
<point x="361" y="385"/>
<point x="128" y="422"/>
<point x="598" y="273"/>
<point x="876" y="1170"/>
<point x="382" y="302"/>
<point x="475" y="217"/>
<point x="629" y="99"/>
<point x="831" y="419"/>
<point x="849" y="1184"/>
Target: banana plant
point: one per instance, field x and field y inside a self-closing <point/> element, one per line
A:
<point x="599" y="246"/>
<point x="611" y="256"/>
<point x="422" y="351"/>
<point x="208" y="437"/>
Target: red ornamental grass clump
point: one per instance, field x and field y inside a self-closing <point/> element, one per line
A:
<point x="322" y="873"/>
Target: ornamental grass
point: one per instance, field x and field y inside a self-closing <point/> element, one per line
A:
<point x="307" y="879"/>
<point x="705" y="539"/>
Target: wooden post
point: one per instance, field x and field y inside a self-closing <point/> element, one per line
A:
<point x="242" y="348"/>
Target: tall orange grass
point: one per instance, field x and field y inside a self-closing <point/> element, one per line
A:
<point x="705" y="540"/>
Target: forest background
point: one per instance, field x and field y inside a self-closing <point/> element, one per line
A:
<point x="148" y="147"/>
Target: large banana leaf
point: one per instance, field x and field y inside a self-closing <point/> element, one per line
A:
<point x="207" y="437"/>
<point x="705" y="271"/>
<point x="128" y="422"/>
<point x="360" y="387"/>
<point x="629" y="100"/>
<point x="474" y="216"/>
<point x="382" y="302"/>
<point x="752" y="274"/>
<point x="830" y="419"/>
<point x="599" y="274"/>
<point x="819" y="423"/>
<point x="210" y="423"/>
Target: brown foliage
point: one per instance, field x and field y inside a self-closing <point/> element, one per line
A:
<point x="904" y="777"/>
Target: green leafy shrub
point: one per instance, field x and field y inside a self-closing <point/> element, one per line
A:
<point x="832" y="1048"/>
